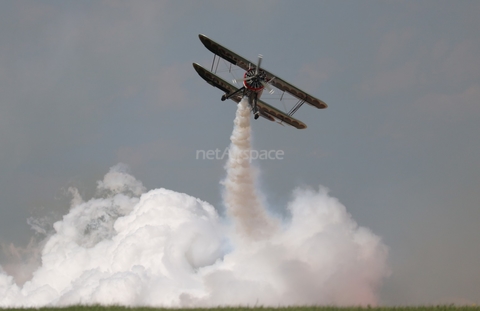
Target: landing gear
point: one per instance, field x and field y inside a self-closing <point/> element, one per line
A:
<point x="256" y="115"/>
<point x="228" y="96"/>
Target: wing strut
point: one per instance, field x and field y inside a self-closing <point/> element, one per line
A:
<point x="283" y="103"/>
<point x="213" y="63"/>
<point x="296" y="107"/>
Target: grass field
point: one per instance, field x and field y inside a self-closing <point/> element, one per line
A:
<point x="118" y="308"/>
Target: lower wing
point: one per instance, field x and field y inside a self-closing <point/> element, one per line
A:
<point x="266" y="111"/>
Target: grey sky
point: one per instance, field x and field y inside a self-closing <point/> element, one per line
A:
<point x="87" y="84"/>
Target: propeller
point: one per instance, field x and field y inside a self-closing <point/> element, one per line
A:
<point x="267" y="86"/>
<point x="260" y="57"/>
<point x="257" y="69"/>
<point x="264" y="83"/>
<point x="248" y="78"/>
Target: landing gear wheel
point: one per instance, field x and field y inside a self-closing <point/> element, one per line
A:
<point x="223" y="97"/>
<point x="256" y="115"/>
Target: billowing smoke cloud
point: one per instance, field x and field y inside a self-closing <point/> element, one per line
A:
<point x="133" y="247"/>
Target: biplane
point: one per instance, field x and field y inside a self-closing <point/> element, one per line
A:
<point x="255" y="80"/>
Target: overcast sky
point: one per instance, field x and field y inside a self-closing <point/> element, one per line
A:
<point x="85" y="85"/>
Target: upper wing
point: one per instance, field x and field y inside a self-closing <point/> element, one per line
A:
<point x="266" y="111"/>
<point x="245" y="64"/>
<point x="225" y="53"/>
<point x="295" y="91"/>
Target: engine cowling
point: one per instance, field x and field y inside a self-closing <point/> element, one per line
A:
<point x="253" y="80"/>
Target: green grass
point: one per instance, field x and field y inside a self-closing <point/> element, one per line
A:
<point x="118" y="308"/>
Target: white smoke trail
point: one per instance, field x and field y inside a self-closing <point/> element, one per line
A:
<point x="241" y="198"/>
<point x="163" y="248"/>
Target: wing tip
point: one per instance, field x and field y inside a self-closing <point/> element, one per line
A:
<point x="204" y="39"/>
<point x="197" y="67"/>
<point x="320" y="104"/>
